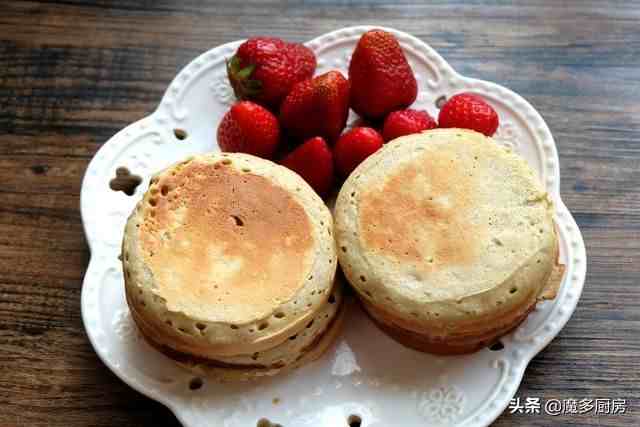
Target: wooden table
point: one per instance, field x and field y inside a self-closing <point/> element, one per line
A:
<point x="73" y="73"/>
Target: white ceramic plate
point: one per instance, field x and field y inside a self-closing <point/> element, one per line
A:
<point x="365" y="375"/>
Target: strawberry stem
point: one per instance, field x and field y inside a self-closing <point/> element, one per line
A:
<point x="243" y="86"/>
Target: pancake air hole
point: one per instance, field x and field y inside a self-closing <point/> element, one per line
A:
<point x="344" y="249"/>
<point x="255" y="356"/>
<point x="180" y="134"/>
<point x="332" y="299"/>
<point x="496" y="346"/>
<point x="169" y="322"/>
<point x="310" y="324"/>
<point x="279" y="315"/>
<point x="233" y="326"/>
<point x="354" y="421"/>
<point x="153" y="201"/>
<point x="201" y="326"/>
<point x="226" y="162"/>
<point x="513" y="290"/>
<point x="164" y="190"/>
<point x="246" y="170"/>
<point x="237" y="220"/>
<point x="263" y="326"/>
<point x="293" y="337"/>
<point x="363" y="279"/>
<point x="125" y="181"/>
<point x="196" y="383"/>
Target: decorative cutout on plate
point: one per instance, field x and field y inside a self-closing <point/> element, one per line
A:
<point x="125" y="181"/>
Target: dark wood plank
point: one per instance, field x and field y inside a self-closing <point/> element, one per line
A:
<point x="74" y="72"/>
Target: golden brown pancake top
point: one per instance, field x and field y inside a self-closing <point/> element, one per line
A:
<point x="422" y="212"/>
<point x="213" y="234"/>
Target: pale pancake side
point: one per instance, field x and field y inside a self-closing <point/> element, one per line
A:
<point x="444" y="226"/>
<point x="316" y="341"/>
<point x="294" y="345"/>
<point x="228" y="252"/>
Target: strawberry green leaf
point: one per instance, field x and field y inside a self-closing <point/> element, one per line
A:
<point x="245" y="72"/>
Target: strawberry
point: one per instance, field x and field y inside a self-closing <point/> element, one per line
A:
<point x="406" y="122"/>
<point x="381" y="78"/>
<point x="249" y="128"/>
<point x="354" y="146"/>
<point x="469" y="111"/>
<point x="317" y="107"/>
<point x="313" y="161"/>
<point x="264" y="69"/>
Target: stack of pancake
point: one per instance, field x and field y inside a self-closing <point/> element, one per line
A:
<point x="448" y="239"/>
<point x="229" y="265"/>
<point x="230" y="260"/>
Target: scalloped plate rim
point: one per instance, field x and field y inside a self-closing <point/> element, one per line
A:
<point x="450" y="73"/>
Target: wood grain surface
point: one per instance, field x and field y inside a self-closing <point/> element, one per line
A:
<point x="74" y="72"/>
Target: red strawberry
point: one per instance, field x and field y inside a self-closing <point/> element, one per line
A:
<point x="469" y="111"/>
<point x="249" y="128"/>
<point x="264" y="69"/>
<point x="381" y="79"/>
<point x="317" y="107"/>
<point x="406" y="122"/>
<point x="313" y="161"/>
<point x="354" y="146"/>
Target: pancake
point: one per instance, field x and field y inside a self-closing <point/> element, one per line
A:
<point x="296" y="350"/>
<point x="237" y="373"/>
<point x="448" y="238"/>
<point x="227" y="254"/>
